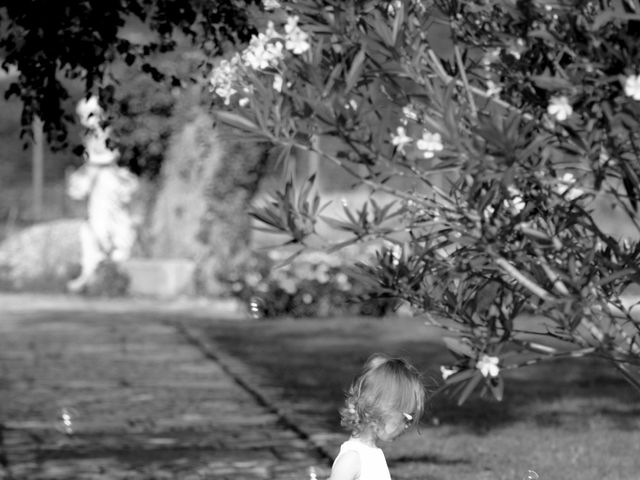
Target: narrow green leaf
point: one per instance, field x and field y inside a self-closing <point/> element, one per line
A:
<point x="341" y="245"/>
<point x="577" y="139"/>
<point x="289" y="259"/>
<point x="284" y="154"/>
<point x="543" y="35"/>
<point x="267" y="219"/>
<point x="457" y="346"/>
<point x="397" y="22"/>
<point x="355" y="71"/>
<point x="237" y="121"/>
<point x="335" y="73"/>
<point x="470" y="386"/>
<point x="547" y="82"/>
<point x="617" y="275"/>
<point x="460" y="376"/>
<point x="349" y="214"/>
<point x="304" y="193"/>
<point x="338" y="225"/>
<point x="496" y="385"/>
<point x="380" y="26"/>
<point x="268" y="230"/>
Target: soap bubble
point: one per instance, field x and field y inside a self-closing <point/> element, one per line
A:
<point x="312" y="473"/>
<point x="257" y="308"/>
<point x="66" y="419"/>
<point x="531" y="475"/>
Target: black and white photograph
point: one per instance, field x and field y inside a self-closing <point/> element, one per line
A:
<point x="319" y="239"/>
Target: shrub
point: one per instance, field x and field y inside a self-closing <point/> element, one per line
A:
<point x="41" y="257"/>
<point x="314" y="284"/>
<point x="45" y="256"/>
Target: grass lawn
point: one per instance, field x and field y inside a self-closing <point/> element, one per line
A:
<point x="564" y="420"/>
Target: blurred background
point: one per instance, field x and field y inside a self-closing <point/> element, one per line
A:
<point x="92" y="382"/>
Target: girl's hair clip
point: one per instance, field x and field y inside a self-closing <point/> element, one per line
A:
<point x="408" y="417"/>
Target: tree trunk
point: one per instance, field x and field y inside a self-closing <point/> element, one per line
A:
<point x="37" y="171"/>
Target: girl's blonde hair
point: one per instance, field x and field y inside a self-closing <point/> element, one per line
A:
<point x="386" y="386"/>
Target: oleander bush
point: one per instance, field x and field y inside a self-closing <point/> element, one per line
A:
<point x="511" y="119"/>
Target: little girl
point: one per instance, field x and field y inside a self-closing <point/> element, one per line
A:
<point x="383" y="402"/>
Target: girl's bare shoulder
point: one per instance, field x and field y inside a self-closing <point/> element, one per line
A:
<point x="346" y="466"/>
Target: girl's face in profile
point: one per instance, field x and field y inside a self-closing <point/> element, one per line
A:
<point x="394" y="426"/>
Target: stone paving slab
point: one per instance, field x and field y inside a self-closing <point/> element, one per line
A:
<point x="141" y="400"/>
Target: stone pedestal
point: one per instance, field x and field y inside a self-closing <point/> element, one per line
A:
<point x="161" y="278"/>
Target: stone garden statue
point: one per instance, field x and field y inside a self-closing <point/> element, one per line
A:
<point x="109" y="232"/>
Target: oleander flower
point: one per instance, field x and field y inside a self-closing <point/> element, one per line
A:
<point x="632" y="86"/>
<point x="409" y="113"/>
<point x="560" y="108"/>
<point x="262" y="52"/>
<point x="516" y="201"/>
<point x="270" y="4"/>
<point x="277" y="83"/>
<point x="296" y="40"/>
<point x="605" y="159"/>
<point x="224" y="78"/>
<point x="567" y="186"/>
<point x="488" y="366"/>
<point x="448" y="371"/>
<point x="400" y="139"/>
<point x="430" y="143"/>
<point x="395" y="251"/>
<point x="488" y="212"/>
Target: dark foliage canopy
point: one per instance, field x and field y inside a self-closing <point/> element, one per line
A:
<point x="78" y="39"/>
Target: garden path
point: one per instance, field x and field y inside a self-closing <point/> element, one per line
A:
<point x="122" y="389"/>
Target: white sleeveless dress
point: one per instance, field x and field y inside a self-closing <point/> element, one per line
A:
<point x="373" y="465"/>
